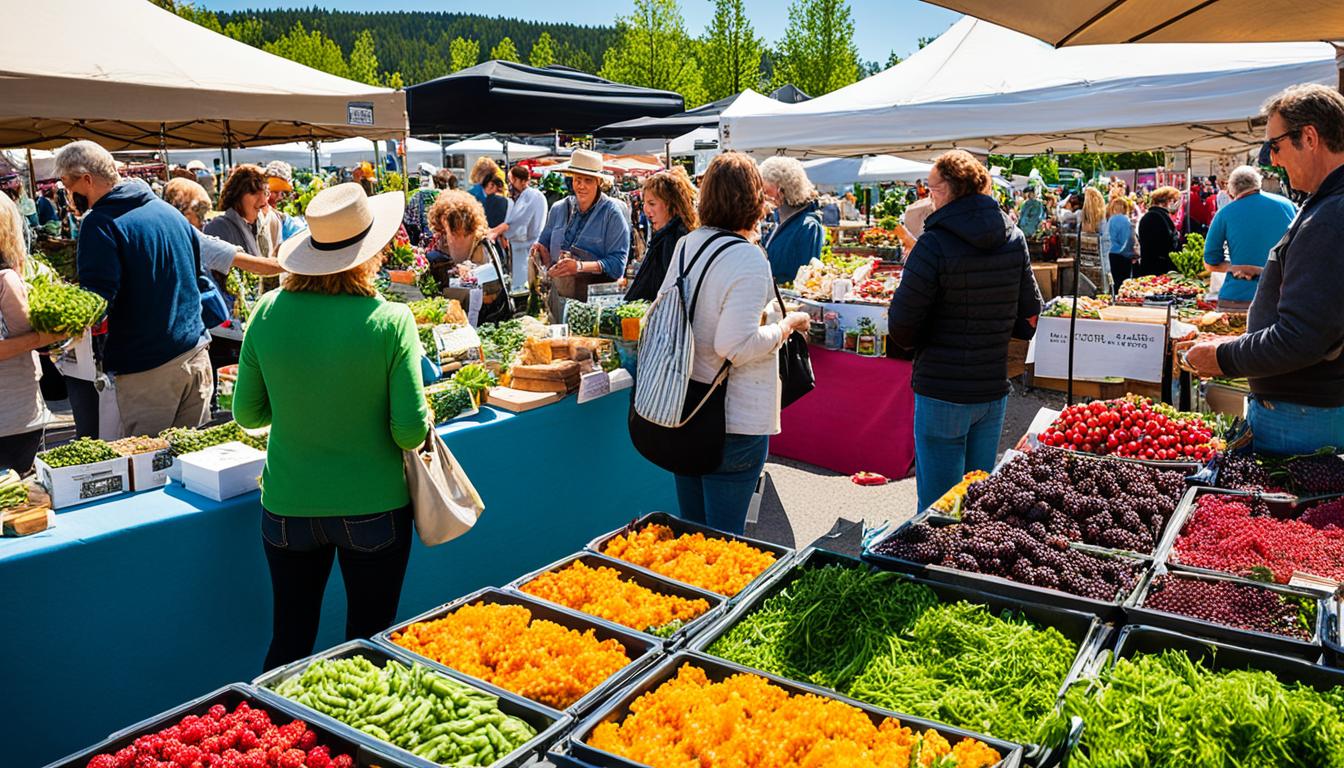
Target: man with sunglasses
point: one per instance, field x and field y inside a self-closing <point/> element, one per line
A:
<point x="1291" y="352"/>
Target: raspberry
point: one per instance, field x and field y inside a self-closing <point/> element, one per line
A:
<point x="125" y="757"/>
<point x="292" y="758"/>
<point x="318" y="757"/>
<point x="146" y="760"/>
<point x="255" y="758"/>
<point x="217" y="712"/>
<point x="110" y="761"/>
<point x="308" y="740"/>
<point x="342" y="761"/>
<point x="247" y="740"/>
<point x="212" y="745"/>
<point x="187" y="755"/>
<point x="192" y="733"/>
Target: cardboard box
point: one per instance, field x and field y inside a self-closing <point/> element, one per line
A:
<point x="222" y="471"/>
<point x="150" y="470"/>
<point x="83" y="483"/>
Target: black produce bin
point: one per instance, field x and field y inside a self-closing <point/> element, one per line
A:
<point x="549" y="724"/>
<point x="1108" y="610"/>
<point x="1332" y="636"/>
<point x="1135" y="639"/>
<point x="1308" y="650"/>
<point x="659" y="584"/>
<point x="1084" y="629"/>
<point x="365" y="751"/>
<point x="643" y="650"/>
<point x="716" y="669"/>
<point x="682" y="527"/>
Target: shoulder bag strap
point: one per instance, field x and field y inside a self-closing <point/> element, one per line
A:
<point x="684" y="269"/>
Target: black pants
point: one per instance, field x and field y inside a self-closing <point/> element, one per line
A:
<point x="1122" y="268"/>
<point x="373" y="551"/>
<point x="83" y="406"/>
<point x="17" y="451"/>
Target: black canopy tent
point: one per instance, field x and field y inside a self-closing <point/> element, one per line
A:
<point x="703" y="116"/>
<point x="506" y="97"/>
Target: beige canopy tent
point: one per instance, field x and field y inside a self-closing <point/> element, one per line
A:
<point x="130" y="75"/>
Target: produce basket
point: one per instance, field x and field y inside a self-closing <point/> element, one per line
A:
<point x="1088" y="632"/>
<point x="682" y="527"/>
<point x="643" y="650"/>
<point x="1107" y="610"/>
<point x="644" y="579"/>
<point x="1136" y="612"/>
<point x="366" y="752"/>
<point x="549" y="724"/>
<point x="618" y="707"/>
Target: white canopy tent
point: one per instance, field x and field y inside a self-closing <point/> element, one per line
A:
<point x="351" y="152"/>
<point x="163" y="78"/>
<point x="494" y="149"/>
<point x="835" y="172"/>
<point x="297" y="153"/>
<point x="980" y="85"/>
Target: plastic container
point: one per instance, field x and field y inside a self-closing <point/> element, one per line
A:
<point x="1085" y="630"/>
<point x="645" y="579"/>
<point x="643" y="650"/>
<point x="716" y="669"/>
<point x="550" y="724"/>
<point x="1332" y="636"/>
<point x="783" y="555"/>
<point x="1310" y="650"/>
<point x="364" y="750"/>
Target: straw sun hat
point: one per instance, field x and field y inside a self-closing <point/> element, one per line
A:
<point x="585" y="162"/>
<point x="345" y="228"/>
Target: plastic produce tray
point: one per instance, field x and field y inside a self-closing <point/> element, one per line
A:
<point x="643" y="578"/>
<point x="1310" y="650"/>
<point x="550" y="724"/>
<point x="1332" y="637"/>
<point x="366" y="753"/>
<point x="681" y="527"/>
<point x="642" y="649"/>
<point x="1109" y="610"/>
<point x="1084" y="629"/>
<point x="717" y="669"/>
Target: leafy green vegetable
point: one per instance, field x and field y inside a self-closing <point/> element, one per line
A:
<point x="501" y="342"/>
<point x="427" y="284"/>
<point x="85" y="450"/>
<point x="57" y="307"/>
<point x="581" y="318"/>
<point x="1189" y="260"/>
<point x="474" y="378"/>
<point x="431" y="310"/>
<point x="183" y="440"/>
<point x="427" y="344"/>
<point x="448" y="402"/>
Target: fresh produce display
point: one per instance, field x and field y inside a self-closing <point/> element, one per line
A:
<point x="430" y="311"/>
<point x="603" y="593"/>
<point x="1216" y="323"/>
<point x="502" y="644"/>
<point x="1234" y="604"/>
<point x="130" y="446"/>
<point x="183" y="440"/>
<point x="1133" y="427"/>
<point x="243" y="738"/>
<point x="427" y="345"/>
<point x="475" y="379"/>
<point x="877" y="237"/>
<point x="415" y="708"/>
<point x="13" y="492"/>
<point x="882" y="639"/>
<point x="747" y="720"/>
<point x="1167" y="710"/>
<point x="581" y="318"/>
<point x="1189" y="260"/>
<point x="1309" y="475"/>
<point x="1137" y="289"/>
<point x="1088" y="308"/>
<point x="874" y="290"/>
<point x="400" y="255"/>
<point x="1314" y="474"/>
<point x="722" y="566"/>
<point x="57" y="307"/>
<point x="950" y="503"/>
<point x="1243" y="473"/>
<point x="1237" y="535"/>
<point x="447" y="401"/>
<point x="501" y="342"/>
<point x="85" y="450"/>
<point x="815" y="278"/>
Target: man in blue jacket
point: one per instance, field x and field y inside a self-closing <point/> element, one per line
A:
<point x="137" y="252"/>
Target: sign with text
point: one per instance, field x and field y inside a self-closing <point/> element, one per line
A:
<point x="358" y="113"/>
<point x="1101" y="349"/>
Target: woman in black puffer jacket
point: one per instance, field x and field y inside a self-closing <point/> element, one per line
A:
<point x="669" y="202"/>
<point x="966" y="290"/>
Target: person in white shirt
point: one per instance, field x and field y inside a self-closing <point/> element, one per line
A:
<point x="522" y="227"/>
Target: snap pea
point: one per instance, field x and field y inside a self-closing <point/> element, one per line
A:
<point x="85" y="450"/>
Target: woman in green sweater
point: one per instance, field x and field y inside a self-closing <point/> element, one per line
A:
<point x="335" y="371"/>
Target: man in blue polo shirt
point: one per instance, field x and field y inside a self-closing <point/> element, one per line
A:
<point x="1249" y="226"/>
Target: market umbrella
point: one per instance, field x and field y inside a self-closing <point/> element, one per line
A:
<point x="493" y="148"/>
<point x="834" y="172"/>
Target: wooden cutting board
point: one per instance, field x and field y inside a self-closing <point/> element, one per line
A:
<point x="517" y="400"/>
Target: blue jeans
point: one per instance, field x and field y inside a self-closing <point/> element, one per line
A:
<point x="720" y="499"/>
<point x="1288" y="429"/>
<point x="952" y="439"/>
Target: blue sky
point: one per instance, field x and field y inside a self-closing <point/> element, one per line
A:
<point x="881" y="26"/>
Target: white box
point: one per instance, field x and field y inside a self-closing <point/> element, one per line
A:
<point x="83" y="483"/>
<point x="150" y="470"/>
<point x="1101" y="349"/>
<point x="222" y="471"/>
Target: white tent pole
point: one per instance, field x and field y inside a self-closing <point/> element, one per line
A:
<point x="1189" y="198"/>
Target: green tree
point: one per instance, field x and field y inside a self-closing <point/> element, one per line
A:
<point x="190" y="12"/>
<point x="463" y="53"/>
<point x="653" y="50"/>
<point x="893" y="60"/>
<point x="543" y="51"/>
<point x="247" y="31"/>
<point x="573" y="56"/>
<point x="817" y="52"/>
<point x="311" y="48"/>
<point x="363" y="65"/>
<point x="393" y="80"/>
<point x="731" y="51"/>
<point x="505" y="50"/>
<point x="924" y="41"/>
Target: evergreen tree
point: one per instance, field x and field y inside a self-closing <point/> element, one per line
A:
<point x="817" y="52"/>
<point x="653" y="50"/>
<point x="247" y="31"/>
<point x="731" y="51"/>
<point x="463" y="53"/>
<point x="505" y="50"/>
<point x="311" y="48"/>
<point x="543" y="51"/>
<point x="363" y="65"/>
<point x="572" y="56"/>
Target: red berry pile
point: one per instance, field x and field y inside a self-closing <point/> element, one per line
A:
<point x="1227" y="533"/>
<point x="1229" y="603"/>
<point x="243" y="738"/>
<point x="1133" y="427"/>
<point x="1325" y="514"/>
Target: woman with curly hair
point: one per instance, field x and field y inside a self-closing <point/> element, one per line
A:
<point x="798" y="234"/>
<point x="459" y="246"/>
<point x="669" y="202"/>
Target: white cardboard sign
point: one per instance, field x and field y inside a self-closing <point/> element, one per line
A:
<point x="1101" y="349"/>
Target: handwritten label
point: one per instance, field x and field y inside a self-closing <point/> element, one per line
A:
<point x="594" y="385"/>
<point x="1101" y="349"/>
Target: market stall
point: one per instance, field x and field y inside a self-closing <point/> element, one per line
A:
<point x="148" y="600"/>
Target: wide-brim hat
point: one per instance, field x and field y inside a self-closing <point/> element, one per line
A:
<point x="585" y="162"/>
<point x="345" y="228"/>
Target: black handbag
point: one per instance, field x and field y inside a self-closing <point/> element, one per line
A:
<point x="795" y="365"/>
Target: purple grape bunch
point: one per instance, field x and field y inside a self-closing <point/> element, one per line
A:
<point x="1320" y="473"/>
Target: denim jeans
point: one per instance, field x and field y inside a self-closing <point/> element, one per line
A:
<point x="720" y="499"/>
<point x="952" y="439"/>
<point x="1288" y="429"/>
<point x="373" y="551"/>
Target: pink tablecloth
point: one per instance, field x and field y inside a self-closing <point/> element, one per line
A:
<point x="861" y="416"/>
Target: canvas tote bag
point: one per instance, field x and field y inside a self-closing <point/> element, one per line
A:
<point x="445" y="503"/>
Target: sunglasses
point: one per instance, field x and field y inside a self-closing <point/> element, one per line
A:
<point x="1272" y="144"/>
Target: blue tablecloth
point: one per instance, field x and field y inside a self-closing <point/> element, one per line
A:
<point x="131" y="606"/>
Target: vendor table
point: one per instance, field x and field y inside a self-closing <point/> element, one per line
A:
<point x="860" y="417"/>
<point x="129" y="607"/>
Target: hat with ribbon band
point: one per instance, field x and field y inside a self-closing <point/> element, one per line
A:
<point x="346" y="227"/>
